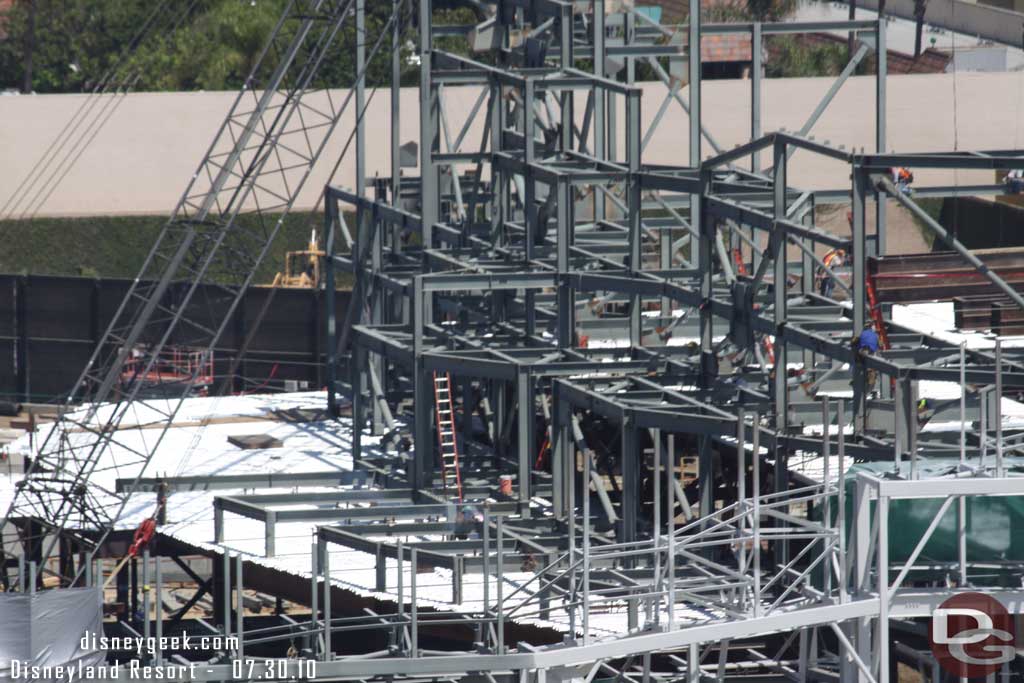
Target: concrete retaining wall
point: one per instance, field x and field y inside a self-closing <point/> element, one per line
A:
<point x="140" y="161"/>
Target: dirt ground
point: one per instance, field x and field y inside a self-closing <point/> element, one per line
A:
<point x="904" y="235"/>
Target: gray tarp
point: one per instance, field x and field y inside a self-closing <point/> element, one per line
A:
<point x="46" y="628"/>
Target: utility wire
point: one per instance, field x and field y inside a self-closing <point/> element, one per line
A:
<point x="101" y="87"/>
<point x="67" y="146"/>
<point x="78" y="148"/>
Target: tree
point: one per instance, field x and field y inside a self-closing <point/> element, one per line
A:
<point x="74" y="42"/>
<point x="204" y="45"/>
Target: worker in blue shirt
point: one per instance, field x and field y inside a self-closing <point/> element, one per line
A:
<point x="867" y="345"/>
<point x="867" y="342"/>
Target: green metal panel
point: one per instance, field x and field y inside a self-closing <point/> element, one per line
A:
<point x="995" y="524"/>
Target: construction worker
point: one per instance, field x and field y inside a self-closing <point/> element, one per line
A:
<point x="902" y="178"/>
<point x="465" y="522"/>
<point x="865" y="345"/>
<point x="925" y="411"/>
<point x="832" y="260"/>
<point x="580" y="340"/>
<point x="1015" y="180"/>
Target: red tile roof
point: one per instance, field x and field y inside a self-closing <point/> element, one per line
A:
<point x="930" y="61"/>
<point x="727" y="48"/>
<point x="4" y="6"/>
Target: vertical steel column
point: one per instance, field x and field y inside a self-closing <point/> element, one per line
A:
<point x="780" y="385"/>
<point x="633" y="207"/>
<point x="670" y="560"/>
<point x="559" y="454"/>
<point x="423" y="399"/>
<point x="741" y="489"/>
<point x="499" y="179"/>
<point x="226" y="597"/>
<point x="331" y="371"/>
<point x="841" y="500"/>
<point x="880" y="125"/>
<point x="826" y="489"/>
<point x="802" y="654"/>
<point x="630" y="464"/>
<point x="498" y="389"/>
<point x="706" y="478"/>
<point x="375" y="228"/>
<point x="400" y="569"/>
<point x="983" y="424"/>
<point x="145" y="594"/>
<point x="566" y="58"/>
<point x="585" y="600"/>
<point x="862" y="572"/>
<point x="600" y="123"/>
<point x="566" y="298"/>
<point x="961" y="501"/>
<point x="909" y="423"/>
<point x="414" y="608"/>
<point x="356" y="372"/>
<point x="755" y="483"/>
<point x="756" y="73"/>
<point x="756" y="76"/>
<point x="997" y="407"/>
<point x="525" y="415"/>
<point x="429" y="185"/>
<point x="705" y="264"/>
<point x="374" y="363"/>
<point x="467" y="418"/>
<point x="486" y="557"/>
<point x="499" y="588"/>
<point x="531" y="229"/>
<point x="695" y="119"/>
<point x="159" y="606"/>
<point x="361" y="96"/>
<point x="314" y="598"/>
<point x="569" y="461"/>
<point x="858" y="196"/>
<point x="325" y="567"/>
<point x="882" y="553"/>
<point x="656" y="524"/>
<point x="396" y="100"/>
<point x="240" y="600"/>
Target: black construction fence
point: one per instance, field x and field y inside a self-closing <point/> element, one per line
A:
<point x="49" y="326"/>
<point x="983" y="224"/>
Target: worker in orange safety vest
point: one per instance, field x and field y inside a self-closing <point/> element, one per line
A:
<point x="902" y="177"/>
<point x="832" y="260"/>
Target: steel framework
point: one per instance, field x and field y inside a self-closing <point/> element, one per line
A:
<point x="549" y="271"/>
<point x="552" y="274"/>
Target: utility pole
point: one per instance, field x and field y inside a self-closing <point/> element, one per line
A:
<point x="30" y="47"/>
<point x="851" y="38"/>
<point x="919" y="9"/>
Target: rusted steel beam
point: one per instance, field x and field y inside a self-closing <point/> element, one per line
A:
<point x="944" y="275"/>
